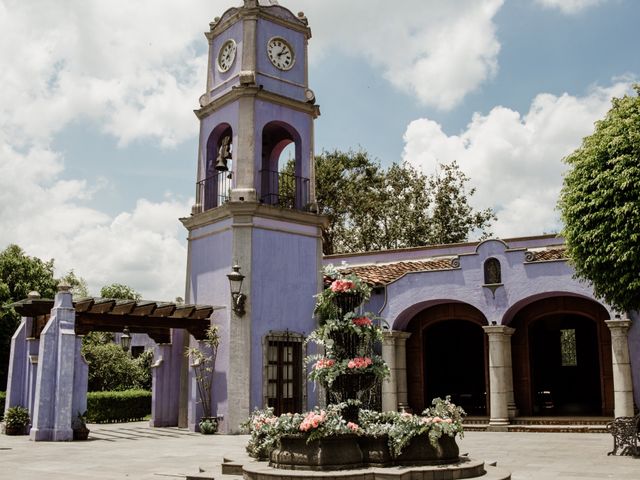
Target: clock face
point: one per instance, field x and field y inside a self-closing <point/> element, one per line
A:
<point x="227" y="55"/>
<point x="281" y="53"/>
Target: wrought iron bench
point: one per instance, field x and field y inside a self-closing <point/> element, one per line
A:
<point x="626" y="435"/>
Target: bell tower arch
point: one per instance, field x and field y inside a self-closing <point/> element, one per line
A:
<point x="253" y="208"/>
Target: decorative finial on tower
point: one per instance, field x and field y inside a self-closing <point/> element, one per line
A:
<point x="64" y="286"/>
<point x="250" y="3"/>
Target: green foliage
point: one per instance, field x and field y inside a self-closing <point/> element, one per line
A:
<point x="119" y="291"/>
<point x="599" y="204"/>
<point x="203" y="361"/>
<point x="370" y="208"/>
<point x="19" y="275"/>
<point x="111" y="368"/>
<point x="79" y="288"/>
<point x="16" y="417"/>
<point x="123" y="406"/>
<point x="3" y="398"/>
<point x="443" y="418"/>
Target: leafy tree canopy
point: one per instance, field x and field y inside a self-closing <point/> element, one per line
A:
<point x="119" y="291"/>
<point x="600" y="205"/>
<point x="372" y="208"/>
<point x="19" y="275"/>
<point x="79" y="288"/>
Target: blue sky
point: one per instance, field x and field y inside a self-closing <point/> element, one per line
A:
<point x="98" y="141"/>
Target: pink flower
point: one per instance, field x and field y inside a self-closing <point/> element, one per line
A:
<point x="437" y="419"/>
<point x="338" y="286"/>
<point x="352" y="426"/>
<point x="324" y="363"/>
<point x="362" y="322"/>
<point x="360" y="362"/>
<point x="447" y="420"/>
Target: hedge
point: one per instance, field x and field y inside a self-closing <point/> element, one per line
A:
<point x="3" y="396"/>
<point x="112" y="407"/>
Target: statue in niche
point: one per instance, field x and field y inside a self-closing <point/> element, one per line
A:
<point x="224" y="154"/>
<point x="492" y="273"/>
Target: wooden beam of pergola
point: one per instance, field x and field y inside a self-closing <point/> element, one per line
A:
<point x="140" y="316"/>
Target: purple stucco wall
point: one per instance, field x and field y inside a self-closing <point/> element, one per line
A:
<point x="285" y="281"/>
<point x="209" y="262"/>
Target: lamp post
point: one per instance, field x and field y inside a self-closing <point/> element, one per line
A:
<point x="237" y="297"/>
<point x="125" y="339"/>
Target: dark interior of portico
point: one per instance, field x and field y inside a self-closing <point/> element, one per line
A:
<point x="447" y="355"/>
<point x="562" y="359"/>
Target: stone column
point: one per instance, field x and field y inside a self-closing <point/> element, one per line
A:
<point x="389" y="386"/>
<point x="401" y="369"/>
<point x="499" y="336"/>
<point x="622" y="383"/>
<point x="508" y="362"/>
<point x="54" y="400"/>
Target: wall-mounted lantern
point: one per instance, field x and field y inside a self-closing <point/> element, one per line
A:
<point x="237" y="297"/>
<point x="125" y="339"/>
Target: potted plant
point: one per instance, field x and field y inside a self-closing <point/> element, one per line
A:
<point x="16" y="420"/>
<point x="79" y="426"/>
<point x="203" y="361"/>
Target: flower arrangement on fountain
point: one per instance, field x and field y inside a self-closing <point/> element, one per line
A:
<point x="342" y="294"/>
<point x="350" y="370"/>
<point x="266" y="429"/>
<point x="443" y="418"/>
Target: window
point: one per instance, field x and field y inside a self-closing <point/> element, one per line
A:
<point x="284" y="383"/>
<point x="568" y="349"/>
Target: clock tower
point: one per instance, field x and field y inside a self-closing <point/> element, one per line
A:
<point x="253" y="213"/>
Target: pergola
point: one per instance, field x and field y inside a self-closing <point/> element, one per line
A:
<point x="49" y="375"/>
<point x="112" y="315"/>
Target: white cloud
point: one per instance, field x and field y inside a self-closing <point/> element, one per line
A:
<point x="437" y="50"/>
<point x="515" y="160"/>
<point x="47" y="217"/>
<point x="570" y="6"/>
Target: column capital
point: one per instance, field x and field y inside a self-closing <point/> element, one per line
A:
<point x="623" y="325"/>
<point x="498" y="330"/>
<point x="395" y="334"/>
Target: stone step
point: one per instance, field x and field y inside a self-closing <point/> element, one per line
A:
<point x="466" y="468"/>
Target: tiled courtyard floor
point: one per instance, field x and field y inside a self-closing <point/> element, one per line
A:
<point x="135" y="451"/>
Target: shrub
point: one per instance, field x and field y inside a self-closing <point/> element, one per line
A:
<point x="111" y="368"/>
<point x="120" y="406"/>
<point x="17" y="417"/>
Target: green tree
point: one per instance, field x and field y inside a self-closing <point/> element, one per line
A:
<point x="600" y="205"/>
<point x="19" y="275"/>
<point x="370" y="208"/>
<point x="119" y="291"/>
<point x="79" y="288"/>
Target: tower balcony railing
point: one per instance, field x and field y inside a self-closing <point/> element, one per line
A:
<point x="284" y="190"/>
<point x="214" y="191"/>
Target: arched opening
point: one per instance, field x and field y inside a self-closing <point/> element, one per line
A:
<point x="280" y="181"/>
<point x="562" y="358"/>
<point x="448" y="372"/>
<point x="216" y="186"/>
<point x="447" y="355"/>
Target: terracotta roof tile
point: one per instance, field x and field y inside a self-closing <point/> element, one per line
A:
<point x="383" y="274"/>
<point x="387" y="273"/>
<point x="546" y="255"/>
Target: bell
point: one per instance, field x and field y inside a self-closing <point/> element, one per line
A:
<point x="224" y="153"/>
<point x="221" y="164"/>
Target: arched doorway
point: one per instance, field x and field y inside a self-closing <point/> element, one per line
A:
<point x="446" y="355"/>
<point x="562" y="358"/>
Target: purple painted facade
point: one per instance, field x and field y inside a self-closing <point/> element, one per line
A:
<point x="523" y="283"/>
